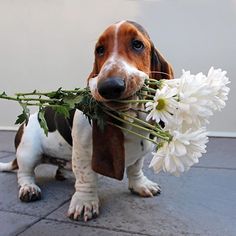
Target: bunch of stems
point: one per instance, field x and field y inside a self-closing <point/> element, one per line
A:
<point x="146" y="94"/>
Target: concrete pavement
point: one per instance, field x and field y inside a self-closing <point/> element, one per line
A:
<point x="201" y="202"/>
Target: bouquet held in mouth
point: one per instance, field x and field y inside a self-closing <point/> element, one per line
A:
<point x="175" y="114"/>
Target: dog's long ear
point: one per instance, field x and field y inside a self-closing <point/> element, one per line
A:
<point x="108" y="157"/>
<point x="160" y="68"/>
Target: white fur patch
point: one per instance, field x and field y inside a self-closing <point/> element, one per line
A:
<point x="55" y="145"/>
<point x="115" y="49"/>
<point x="131" y="70"/>
<point x="93" y="83"/>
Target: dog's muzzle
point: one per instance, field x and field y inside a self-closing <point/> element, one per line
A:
<point x="111" y="88"/>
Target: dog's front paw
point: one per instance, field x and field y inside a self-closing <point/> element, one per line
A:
<point x="29" y="193"/>
<point x="144" y="187"/>
<point x="83" y="207"/>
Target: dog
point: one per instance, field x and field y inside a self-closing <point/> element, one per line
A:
<point x="124" y="57"/>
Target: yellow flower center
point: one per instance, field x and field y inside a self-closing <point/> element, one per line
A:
<point x="161" y="103"/>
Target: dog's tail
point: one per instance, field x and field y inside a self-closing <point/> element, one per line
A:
<point x="9" y="166"/>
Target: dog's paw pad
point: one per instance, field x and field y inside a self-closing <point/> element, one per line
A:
<point x="29" y="193"/>
<point x="144" y="187"/>
<point x="82" y="208"/>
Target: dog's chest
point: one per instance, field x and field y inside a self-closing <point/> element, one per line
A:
<point x="135" y="148"/>
<point x="55" y="145"/>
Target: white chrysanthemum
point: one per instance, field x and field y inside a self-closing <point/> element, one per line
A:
<point x="199" y="96"/>
<point x="181" y="152"/>
<point x="217" y="81"/>
<point x="163" y="106"/>
<point x="193" y="98"/>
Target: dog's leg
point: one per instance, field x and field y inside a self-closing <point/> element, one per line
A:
<point x="28" y="155"/>
<point x="63" y="174"/>
<point x="84" y="203"/>
<point x="140" y="184"/>
<point x="28" y="191"/>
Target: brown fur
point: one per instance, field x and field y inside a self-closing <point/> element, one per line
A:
<point x="19" y="135"/>
<point x="14" y="165"/>
<point x="108" y="151"/>
<point x="18" y="138"/>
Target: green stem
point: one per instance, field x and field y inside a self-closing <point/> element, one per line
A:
<point x="9" y="98"/>
<point x="151" y="90"/>
<point x="138" y="126"/>
<point x="46" y="94"/>
<point x="132" y="132"/>
<point x="156" y="128"/>
<point x="147" y="95"/>
<point x="153" y="80"/>
<point x="131" y="101"/>
<point x="152" y="83"/>
<point x="39" y="100"/>
<point x="32" y="93"/>
<point x="19" y="99"/>
<point x="138" y="110"/>
<point x="143" y="122"/>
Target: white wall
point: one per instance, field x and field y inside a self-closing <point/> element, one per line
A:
<point x="48" y="44"/>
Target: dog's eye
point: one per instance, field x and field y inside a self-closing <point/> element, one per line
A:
<point x="100" y="50"/>
<point x="137" y="45"/>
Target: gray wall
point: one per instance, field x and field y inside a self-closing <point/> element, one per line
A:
<point x="48" y="44"/>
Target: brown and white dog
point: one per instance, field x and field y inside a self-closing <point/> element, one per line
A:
<point x="124" y="57"/>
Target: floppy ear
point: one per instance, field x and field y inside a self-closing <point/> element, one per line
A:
<point x="159" y="64"/>
<point x="108" y="156"/>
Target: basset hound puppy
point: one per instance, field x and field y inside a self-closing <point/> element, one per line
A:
<point x="124" y="57"/>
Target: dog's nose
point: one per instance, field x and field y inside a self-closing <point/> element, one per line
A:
<point x="111" y="88"/>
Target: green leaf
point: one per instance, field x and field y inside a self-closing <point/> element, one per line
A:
<point x="3" y="94"/>
<point x="72" y="101"/>
<point x="21" y="119"/>
<point x="24" y="116"/>
<point x="42" y="121"/>
<point x="63" y="110"/>
<point x="56" y="94"/>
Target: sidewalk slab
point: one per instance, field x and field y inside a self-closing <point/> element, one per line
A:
<point x="54" y="193"/>
<point x="50" y="228"/>
<point x="200" y="202"/>
<point x="220" y="154"/>
<point x="7" y="141"/>
<point x="12" y="224"/>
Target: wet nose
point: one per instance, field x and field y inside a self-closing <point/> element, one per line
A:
<point x="111" y="88"/>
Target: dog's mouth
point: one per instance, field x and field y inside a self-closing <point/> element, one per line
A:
<point x="123" y="104"/>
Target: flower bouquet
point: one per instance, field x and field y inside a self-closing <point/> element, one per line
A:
<point x="176" y="112"/>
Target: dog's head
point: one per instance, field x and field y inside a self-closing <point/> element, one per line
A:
<point x="124" y="57"/>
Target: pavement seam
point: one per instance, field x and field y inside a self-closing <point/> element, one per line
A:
<point x="98" y="227"/>
<point x="41" y="218"/>
<point x="110" y="228"/>
<point x="214" y="167"/>
<point x="76" y="223"/>
<point x="45" y="217"/>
